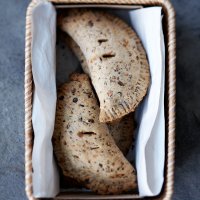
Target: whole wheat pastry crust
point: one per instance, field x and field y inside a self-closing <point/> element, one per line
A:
<point x="122" y="130"/>
<point x="116" y="60"/>
<point x="84" y="148"/>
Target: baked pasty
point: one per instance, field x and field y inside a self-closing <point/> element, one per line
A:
<point x="116" y="60"/>
<point x="84" y="148"/>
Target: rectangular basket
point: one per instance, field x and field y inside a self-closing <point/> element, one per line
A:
<point x="170" y="80"/>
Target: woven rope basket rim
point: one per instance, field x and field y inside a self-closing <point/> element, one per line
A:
<point x="170" y="82"/>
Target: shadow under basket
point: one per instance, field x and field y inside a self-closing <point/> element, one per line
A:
<point x="170" y="90"/>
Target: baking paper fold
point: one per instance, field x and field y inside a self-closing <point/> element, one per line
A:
<point x="150" y="141"/>
<point x="45" y="173"/>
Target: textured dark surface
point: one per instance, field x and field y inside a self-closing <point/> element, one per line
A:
<point x="187" y="173"/>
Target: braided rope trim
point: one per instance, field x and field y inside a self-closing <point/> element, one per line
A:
<point x="28" y="87"/>
<point x="171" y="82"/>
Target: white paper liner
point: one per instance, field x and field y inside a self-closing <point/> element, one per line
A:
<point x="150" y="115"/>
<point x="150" y="141"/>
<point x="45" y="173"/>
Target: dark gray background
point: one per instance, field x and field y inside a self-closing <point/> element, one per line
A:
<point x="12" y="25"/>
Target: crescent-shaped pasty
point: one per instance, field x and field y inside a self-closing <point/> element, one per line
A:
<point x="84" y="148"/>
<point x="116" y="60"/>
